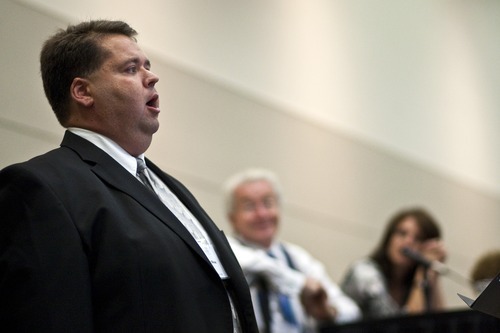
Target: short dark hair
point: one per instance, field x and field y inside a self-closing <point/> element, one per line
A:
<point x="74" y="52"/>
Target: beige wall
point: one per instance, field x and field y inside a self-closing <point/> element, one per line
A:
<point x="339" y="191"/>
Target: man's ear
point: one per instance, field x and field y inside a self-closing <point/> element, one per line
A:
<point x="230" y="217"/>
<point x="80" y="92"/>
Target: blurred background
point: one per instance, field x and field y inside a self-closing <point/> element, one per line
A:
<point x="360" y="107"/>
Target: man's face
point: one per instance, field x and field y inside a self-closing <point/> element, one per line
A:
<point x="255" y="214"/>
<point x="125" y="100"/>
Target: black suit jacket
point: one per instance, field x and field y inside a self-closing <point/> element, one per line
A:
<point x="85" y="247"/>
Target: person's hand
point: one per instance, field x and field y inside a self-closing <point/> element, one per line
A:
<point x="433" y="250"/>
<point x="315" y="301"/>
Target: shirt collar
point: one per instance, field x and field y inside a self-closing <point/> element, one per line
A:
<point x="110" y="147"/>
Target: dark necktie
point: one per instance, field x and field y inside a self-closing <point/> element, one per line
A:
<point x="263" y="297"/>
<point x="142" y="170"/>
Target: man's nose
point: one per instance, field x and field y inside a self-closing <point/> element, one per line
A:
<point x="152" y="79"/>
<point x="261" y="209"/>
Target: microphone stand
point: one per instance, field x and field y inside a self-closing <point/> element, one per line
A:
<point x="426" y="286"/>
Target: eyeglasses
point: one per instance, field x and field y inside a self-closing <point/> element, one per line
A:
<point x="269" y="202"/>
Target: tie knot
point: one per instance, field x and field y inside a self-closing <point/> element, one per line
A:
<point x="141" y="166"/>
<point x="142" y="174"/>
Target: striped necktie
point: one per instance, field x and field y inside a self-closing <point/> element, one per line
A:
<point x="142" y="173"/>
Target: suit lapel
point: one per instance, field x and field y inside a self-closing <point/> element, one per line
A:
<point x="112" y="173"/>
<point x="218" y="238"/>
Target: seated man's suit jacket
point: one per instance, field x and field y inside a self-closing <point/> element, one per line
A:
<point x="85" y="247"/>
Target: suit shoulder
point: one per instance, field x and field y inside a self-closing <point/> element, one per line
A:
<point x="44" y="168"/>
<point x="51" y="159"/>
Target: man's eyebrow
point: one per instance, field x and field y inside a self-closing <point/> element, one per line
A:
<point x="137" y="60"/>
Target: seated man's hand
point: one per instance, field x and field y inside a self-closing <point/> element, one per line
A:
<point x="315" y="301"/>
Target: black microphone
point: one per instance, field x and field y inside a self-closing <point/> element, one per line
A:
<point x="435" y="265"/>
<point x="416" y="256"/>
